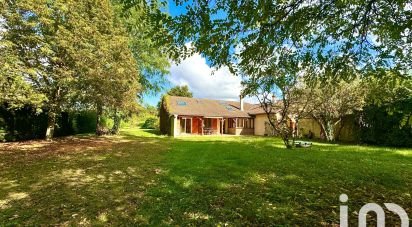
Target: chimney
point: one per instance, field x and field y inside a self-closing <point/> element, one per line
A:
<point x="241" y="102"/>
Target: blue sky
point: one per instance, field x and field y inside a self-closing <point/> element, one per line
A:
<point x="203" y="80"/>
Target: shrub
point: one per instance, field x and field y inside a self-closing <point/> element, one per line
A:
<point x="151" y="123"/>
<point x="26" y="123"/>
<point x="84" y="121"/>
<point x="23" y="124"/>
<point x="381" y="127"/>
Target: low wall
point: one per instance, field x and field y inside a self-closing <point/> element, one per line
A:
<point x="241" y="131"/>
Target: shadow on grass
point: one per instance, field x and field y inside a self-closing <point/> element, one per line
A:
<point x="142" y="178"/>
<point x="303" y="185"/>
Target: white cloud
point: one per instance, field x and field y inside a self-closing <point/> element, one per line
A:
<point x="195" y="73"/>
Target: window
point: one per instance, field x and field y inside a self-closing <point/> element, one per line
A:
<point x="250" y="123"/>
<point x="239" y="122"/>
<point x="185" y="125"/>
<point x="207" y="123"/>
<point x="229" y="123"/>
<point x="229" y="108"/>
<point x="243" y="123"/>
<point x="232" y="123"/>
<point x="181" y="103"/>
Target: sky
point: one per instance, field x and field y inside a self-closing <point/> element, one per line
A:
<point x="204" y="81"/>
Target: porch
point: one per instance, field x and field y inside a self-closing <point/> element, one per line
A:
<point x="203" y="125"/>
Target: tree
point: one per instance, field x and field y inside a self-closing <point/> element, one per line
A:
<point x="386" y="118"/>
<point x="110" y="80"/>
<point x="282" y="114"/>
<point x="182" y="91"/>
<point x="148" y="42"/>
<point x="327" y="40"/>
<point x="331" y="101"/>
<point x="148" y="48"/>
<point x="37" y="36"/>
<point x="74" y="53"/>
<point x="15" y="92"/>
<point x="340" y="39"/>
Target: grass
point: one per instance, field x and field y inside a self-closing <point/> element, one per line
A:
<point x="142" y="178"/>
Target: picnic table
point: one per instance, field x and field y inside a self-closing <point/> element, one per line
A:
<point x="208" y="131"/>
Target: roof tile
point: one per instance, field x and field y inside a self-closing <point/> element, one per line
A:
<point x="210" y="108"/>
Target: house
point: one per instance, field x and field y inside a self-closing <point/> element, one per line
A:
<point x="194" y="116"/>
<point x="183" y="116"/>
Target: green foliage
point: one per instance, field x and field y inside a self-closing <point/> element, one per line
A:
<point x="164" y="117"/>
<point x="380" y="127"/>
<point x="331" y="101"/>
<point x="151" y="123"/>
<point x="34" y="43"/>
<point x="143" y="114"/>
<point x="146" y="42"/>
<point x="109" y="70"/>
<point x="387" y="117"/>
<point x="330" y="39"/>
<point x="292" y="102"/>
<point x="147" y="111"/>
<point x="64" y="55"/>
<point x="13" y="88"/>
<point x="39" y="36"/>
<point x="84" y="122"/>
<point x="26" y="123"/>
<point x="182" y="91"/>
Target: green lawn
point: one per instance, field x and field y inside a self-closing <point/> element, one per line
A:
<point x="142" y="178"/>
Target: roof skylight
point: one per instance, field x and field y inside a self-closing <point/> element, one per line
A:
<point x="181" y="103"/>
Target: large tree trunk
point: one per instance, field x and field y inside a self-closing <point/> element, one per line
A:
<point x="283" y="129"/>
<point x="99" y="115"/>
<point x="288" y="143"/>
<point x="51" y="123"/>
<point x="337" y="134"/>
<point x="286" y="132"/>
<point x="329" y="129"/>
<point x="116" y="123"/>
<point x="54" y="108"/>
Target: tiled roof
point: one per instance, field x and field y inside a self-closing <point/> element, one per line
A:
<point x="210" y="108"/>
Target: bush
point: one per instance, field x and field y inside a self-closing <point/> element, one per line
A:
<point x="25" y="123"/>
<point x="381" y="127"/>
<point x="151" y="123"/>
<point x="132" y="121"/>
<point x="84" y="122"/>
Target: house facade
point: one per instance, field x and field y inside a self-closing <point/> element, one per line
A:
<point x="193" y="116"/>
